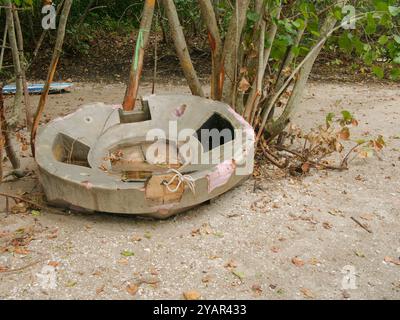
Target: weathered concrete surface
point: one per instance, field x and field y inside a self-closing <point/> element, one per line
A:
<point x="98" y="129"/>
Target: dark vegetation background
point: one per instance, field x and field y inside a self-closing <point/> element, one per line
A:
<point x="101" y="36"/>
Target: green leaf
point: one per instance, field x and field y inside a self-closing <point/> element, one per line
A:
<point x="127" y="253"/>
<point x="360" y="141"/>
<point x="347" y="116"/>
<point x="345" y="42"/>
<point x="371" y="24"/>
<point x="238" y="274"/>
<point x="329" y="118"/>
<point x="383" y="40"/>
<point x="253" y="16"/>
<point x="379" y="72"/>
<point x="35" y="213"/>
<point x="395" y="74"/>
<point x="397" y="38"/>
<point x="394" y="11"/>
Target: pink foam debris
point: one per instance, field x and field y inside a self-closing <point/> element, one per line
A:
<point x="178" y="112"/>
<point x="221" y="175"/>
<point x="248" y="128"/>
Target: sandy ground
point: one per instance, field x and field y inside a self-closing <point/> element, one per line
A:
<point x="286" y="239"/>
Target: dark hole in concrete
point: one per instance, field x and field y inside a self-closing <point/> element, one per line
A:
<point x="70" y="150"/>
<point x="215" y="132"/>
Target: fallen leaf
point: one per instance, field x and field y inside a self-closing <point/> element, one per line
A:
<point x="367" y="216"/>
<point x="244" y="85"/>
<point x="359" y="254"/>
<point x="307" y="293"/>
<point x="127" y="253"/>
<point x="344" y="134"/>
<point x="275" y="249"/>
<point x="19" y="208"/>
<point x="392" y="260"/>
<point x="3" y="268"/>
<point x="71" y="283"/>
<point x="256" y="288"/>
<point x="136" y="239"/>
<point x="327" y="225"/>
<point x="35" y="213"/>
<point x="191" y="295"/>
<point x="230" y="265"/>
<point x="238" y="274"/>
<point x="132" y="289"/>
<point x="20" y="250"/>
<point x="100" y="289"/>
<point x="147" y="235"/>
<point x="345" y="294"/>
<point x="305" y="167"/>
<point x="54" y="264"/>
<point x="123" y="261"/>
<point x="297" y="262"/>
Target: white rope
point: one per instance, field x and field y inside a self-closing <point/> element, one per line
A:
<point x="183" y="178"/>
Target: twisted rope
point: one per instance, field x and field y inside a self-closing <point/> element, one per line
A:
<point x="183" y="178"/>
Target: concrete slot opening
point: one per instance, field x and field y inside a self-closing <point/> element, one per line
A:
<point x="70" y="151"/>
<point x="218" y="125"/>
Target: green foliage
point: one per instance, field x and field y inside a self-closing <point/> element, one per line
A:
<point x="375" y="40"/>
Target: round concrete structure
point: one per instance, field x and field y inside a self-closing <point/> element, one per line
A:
<point x="178" y="151"/>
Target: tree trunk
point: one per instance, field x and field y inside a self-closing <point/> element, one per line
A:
<point x="210" y="20"/>
<point x="3" y="45"/>
<point x="181" y="48"/>
<point x="138" y="56"/>
<point x="230" y="51"/>
<point x="52" y="69"/>
<point x="20" y="41"/>
<point x="16" y="111"/>
<point x="256" y="90"/>
<point x="6" y="140"/>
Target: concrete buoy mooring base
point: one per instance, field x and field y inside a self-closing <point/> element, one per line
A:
<point x="176" y="152"/>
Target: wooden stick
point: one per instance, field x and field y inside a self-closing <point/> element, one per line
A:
<point x="52" y="69"/>
<point x="181" y="48"/>
<point x="361" y="225"/>
<point x="23" y="267"/>
<point x="3" y="47"/>
<point x="15" y="197"/>
<point x="138" y="57"/>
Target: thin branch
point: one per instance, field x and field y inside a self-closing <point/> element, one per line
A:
<point x="181" y="48"/>
<point x="138" y="56"/>
<point x="52" y="70"/>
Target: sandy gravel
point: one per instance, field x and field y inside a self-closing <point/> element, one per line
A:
<point x="287" y="239"/>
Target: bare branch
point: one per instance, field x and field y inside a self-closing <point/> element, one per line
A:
<point x="137" y="61"/>
<point x="181" y="48"/>
<point x="52" y="69"/>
